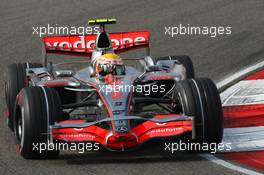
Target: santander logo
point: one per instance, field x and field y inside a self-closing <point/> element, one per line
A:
<point x="86" y="43"/>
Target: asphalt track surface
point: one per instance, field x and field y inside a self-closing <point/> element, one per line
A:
<point x="212" y="57"/>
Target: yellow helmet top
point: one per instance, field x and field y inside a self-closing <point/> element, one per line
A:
<point x="111" y="56"/>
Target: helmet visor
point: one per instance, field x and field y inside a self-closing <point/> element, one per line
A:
<point x="106" y="68"/>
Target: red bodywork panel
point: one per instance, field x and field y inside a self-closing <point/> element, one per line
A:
<point x="83" y="45"/>
<point x="138" y="135"/>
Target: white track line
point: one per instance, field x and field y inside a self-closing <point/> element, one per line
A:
<point x="229" y="165"/>
<point x="245" y="92"/>
<point x="219" y="85"/>
<point x="245" y="139"/>
<point x="239" y="74"/>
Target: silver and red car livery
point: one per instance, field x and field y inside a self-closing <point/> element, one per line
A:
<point x="156" y="99"/>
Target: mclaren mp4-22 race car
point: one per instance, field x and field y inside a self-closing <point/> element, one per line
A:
<point x="109" y="101"/>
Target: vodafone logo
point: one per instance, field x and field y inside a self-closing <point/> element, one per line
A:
<point x="78" y="45"/>
<point x="86" y="43"/>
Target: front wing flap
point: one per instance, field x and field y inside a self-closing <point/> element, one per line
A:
<point x="159" y="126"/>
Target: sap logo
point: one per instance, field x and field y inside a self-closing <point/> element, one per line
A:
<point x="118" y="103"/>
<point x="118" y="112"/>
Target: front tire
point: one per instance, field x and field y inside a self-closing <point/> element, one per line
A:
<point x="36" y="109"/>
<point x="16" y="80"/>
<point x="200" y="98"/>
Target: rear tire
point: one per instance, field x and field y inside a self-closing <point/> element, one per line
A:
<point x="16" y="80"/>
<point x="185" y="61"/>
<point x="200" y="98"/>
<point x="33" y="116"/>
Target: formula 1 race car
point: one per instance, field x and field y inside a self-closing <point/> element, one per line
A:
<point x="118" y="106"/>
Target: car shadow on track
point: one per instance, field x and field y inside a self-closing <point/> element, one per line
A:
<point x="140" y="156"/>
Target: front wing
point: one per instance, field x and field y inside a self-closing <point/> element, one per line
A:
<point x="169" y="125"/>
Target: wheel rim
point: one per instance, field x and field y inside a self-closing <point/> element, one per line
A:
<point x="20" y="126"/>
<point x="181" y="103"/>
<point x="176" y="105"/>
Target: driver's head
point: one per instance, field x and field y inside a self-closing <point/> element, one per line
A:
<point x="109" y="63"/>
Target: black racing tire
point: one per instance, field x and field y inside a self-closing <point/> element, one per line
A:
<point x="185" y="61"/>
<point x="200" y="98"/>
<point x="36" y="108"/>
<point x="16" y="80"/>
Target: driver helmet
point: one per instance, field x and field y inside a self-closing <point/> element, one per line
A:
<point x="109" y="63"/>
